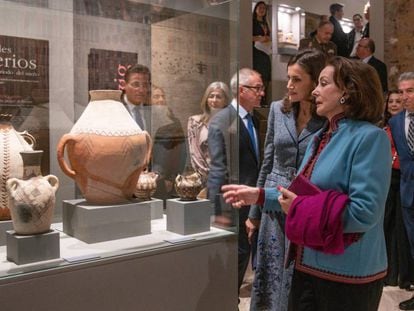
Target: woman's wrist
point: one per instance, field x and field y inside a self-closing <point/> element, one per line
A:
<point x="261" y="197"/>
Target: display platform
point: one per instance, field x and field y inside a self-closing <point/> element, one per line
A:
<point x="73" y="250"/>
<point x="23" y="249"/>
<point x="128" y="274"/>
<point x="98" y="223"/>
<point x="5" y="225"/>
<point x="157" y="208"/>
<point x="188" y="217"/>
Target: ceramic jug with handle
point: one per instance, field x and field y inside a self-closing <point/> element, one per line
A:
<point x="107" y="150"/>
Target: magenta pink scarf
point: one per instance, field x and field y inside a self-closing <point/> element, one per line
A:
<point x="315" y="221"/>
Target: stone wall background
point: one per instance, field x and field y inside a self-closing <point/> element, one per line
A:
<point x="398" y="38"/>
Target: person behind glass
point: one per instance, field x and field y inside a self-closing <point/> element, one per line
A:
<point x="158" y="96"/>
<point x="339" y="37"/>
<point x="340" y="256"/>
<point x="322" y="18"/>
<point x="233" y="127"/>
<point x="400" y="263"/>
<point x="291" y="124"/>
<point x="262" y="35"/>
<point x="355" y="35"/>
<point x="402" y="129"/>
<point x="136" y="95"/>
<point x="216" y="97"/>
<point x="321" y="41"/>
<point x="168" y="150"/>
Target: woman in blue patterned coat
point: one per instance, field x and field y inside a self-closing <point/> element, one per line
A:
<point x="291" y="123"/>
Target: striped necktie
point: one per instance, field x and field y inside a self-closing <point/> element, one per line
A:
<point x="410" y="134"/>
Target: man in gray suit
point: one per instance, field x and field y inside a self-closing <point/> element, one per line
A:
<point x="235" y="153"/>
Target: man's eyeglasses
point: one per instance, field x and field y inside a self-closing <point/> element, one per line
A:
<point x="362" y="46"/>
<point x="137" y="85"/>
<point x="257" y="89"/>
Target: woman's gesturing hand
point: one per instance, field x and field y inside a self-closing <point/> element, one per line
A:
<point x="240" y="195"/>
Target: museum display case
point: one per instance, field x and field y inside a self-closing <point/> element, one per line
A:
<point x="52" y="62"/>
<point x="290" y="28"/>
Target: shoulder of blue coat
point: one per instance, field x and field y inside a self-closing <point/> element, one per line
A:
<point x="359" y="128"/>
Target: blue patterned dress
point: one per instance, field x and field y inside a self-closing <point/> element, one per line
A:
<point x="284" y="150"/>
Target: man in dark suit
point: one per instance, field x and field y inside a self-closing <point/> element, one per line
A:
<point x="402" y="129"/>
<point x="234" y="149"/>
<point x="355" y="34"/>
<point x="339" y="37"/>
<point x="169" y="150"/>
<point x="321" y="40"/>
<point x="365" y="52"/>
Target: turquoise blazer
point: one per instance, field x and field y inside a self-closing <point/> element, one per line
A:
<point x="357" y="162"/>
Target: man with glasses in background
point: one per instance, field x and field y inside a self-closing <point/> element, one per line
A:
<point x="169" y="149"/>
<point x="234" y="149"/>
<point x="136" y="95"/>
<point x="365" y="52"/>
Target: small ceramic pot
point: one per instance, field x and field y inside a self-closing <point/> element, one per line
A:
<point x="146" y="185"/>
<point x="32" y="199"/>
<point x="188" y="186"/>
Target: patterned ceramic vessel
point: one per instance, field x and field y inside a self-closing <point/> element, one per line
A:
<point x="106" y="149"/>
<point x="188" y="186"/>
<point x="146" y="185"/>
<point x="11" y="163"/>
<point x="32" y="199"/>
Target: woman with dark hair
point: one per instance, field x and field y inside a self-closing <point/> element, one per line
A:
<point x="291" y="123"/>
<point x="400" y="262"/>
<point x="335" y="206"/>
<point x="262" y="43"/>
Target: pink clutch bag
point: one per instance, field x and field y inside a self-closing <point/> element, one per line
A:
<point x="302" y="186"/>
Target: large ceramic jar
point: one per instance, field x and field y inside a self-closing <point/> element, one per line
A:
<point x="32" y="199"/>
<point x="106" y="149"/>
<point x="11" y="164"/>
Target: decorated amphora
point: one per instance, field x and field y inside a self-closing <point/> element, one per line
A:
<point x="106" y="149"/>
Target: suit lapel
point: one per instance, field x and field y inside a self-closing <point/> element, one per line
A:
<point x="311" y="128"/>
<point x="401" y="130"/>
<point x="289" y="122"/>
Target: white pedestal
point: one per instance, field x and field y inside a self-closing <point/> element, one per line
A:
<point x="5" y="225"/>
<point x="22" y="249"/>
<point x="98" y="223"/>
<point x="157" y="208"/>
<point x="188" y="217"/>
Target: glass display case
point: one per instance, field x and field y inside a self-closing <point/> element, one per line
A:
<point x="50" y="60"/>
<point x="290" y="28"/>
